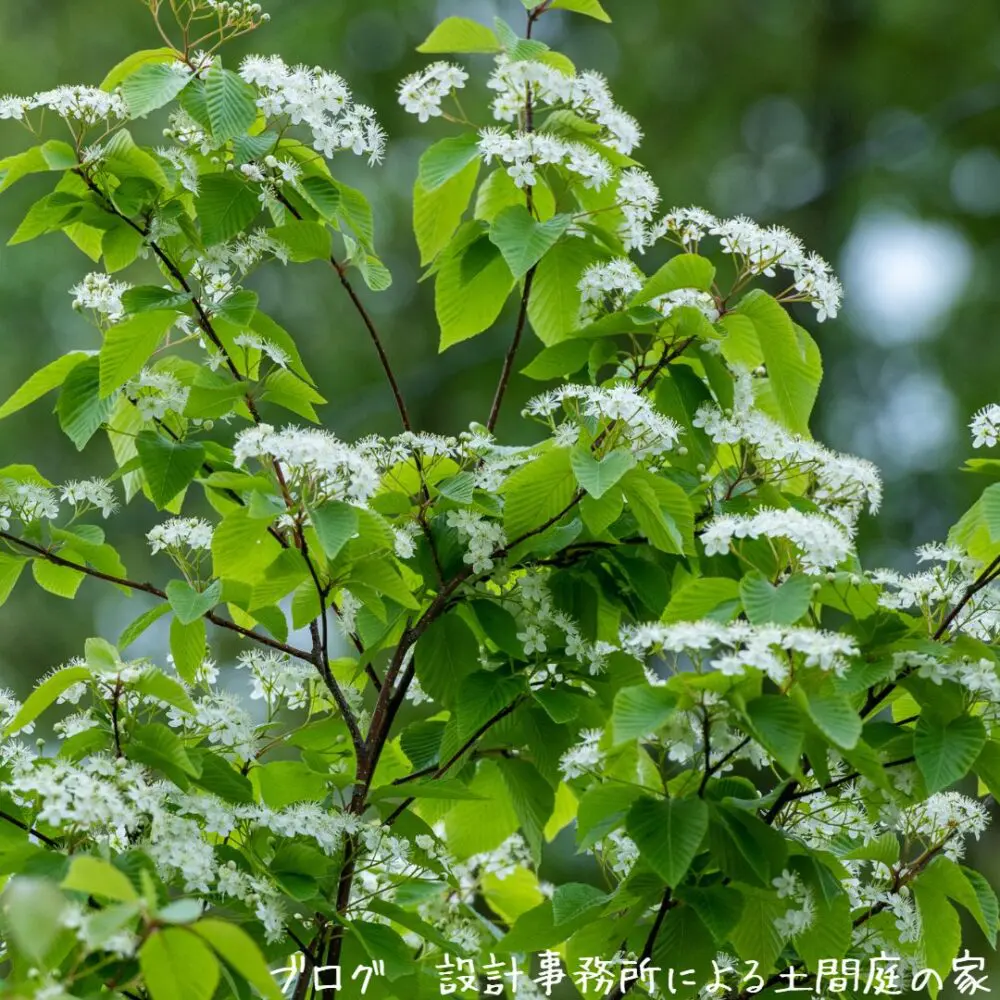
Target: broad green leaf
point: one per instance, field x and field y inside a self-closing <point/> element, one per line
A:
<point x="532" y="797"/>
<point x="44" y="380"/>
<point x="782" y="605"/>
<point x="99" y="878"/>
<point x="523" y="241"/>
<point x="446" y="653"/>
<point x="336" y="523"/>
<point x="152" y="86"/>
<point x="560" y="359"/>
<point x="793" y="366"/>
<point x="45" y="694"/>
<point x="537" y="493"/>
<point x="446" y="159"/>
<point x="306" y="241"/>
<point x="31" y="918"/>
<point x="283" y="782"/>
<point x="187" y="646"/>
<point x="167" y="465"/>
<point x="459" y="34"/>
<point x="669" y="834"/>
<point x="483" y="824"/>
<point x="943" y="937"/>
<point x="63" y="581"/>
<point x="324" y="195"/>
<point x="437" y="214"/>
<point x="603" y="808"/>
<point x="592" y="8"/>
<point x="222" y="778"/>
<point x="190" y="604"/>
<point x="834" y="714"/>
<point x="242" y="548"/>
<point x="686" y="270"/>
<point x="226" y="205"/>
<point x="989" y="504"/>
<point x="704" y="597"/>
<point x="156" y="684"/>
<point x="240" y="951"/>
<point x="157" y="745"/>
<point x="598" y="476"/>
<point x="131" y="64"/>
<point x="51" y="155"/>
<point x="149" y="298"/>
<point x="945" y="751"/>
<point x="554" y="306"/>
<point x="231" y="103"/>
<point x="129" y="345"/>
<point x="656" y="523"/>
<point x="777" y="725"/>
<point x="470" y="291"/>
<point x="755" y="937"/>
<point x="953" y="881"/>
<point x="10" y="571"/>
<point x="81" y="408"/>
<point x="639" y="711"/>
<point x="989" y="908"/>
<point x="177" y="965"/>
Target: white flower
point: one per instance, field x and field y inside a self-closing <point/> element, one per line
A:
<point x="98" y="292"/>
<point x="421" y="93"/>
<point x="985" y="426"/>
<point x="192" y="533"/>
<point x="91" y="492"/>
<point x="584" y="757"/>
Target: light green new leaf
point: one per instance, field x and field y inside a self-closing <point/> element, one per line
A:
<point x="167" y="465"/>
<point x="10" y="571"/>
<point x="152" y="86"/>
<point x="437" y="214"/>
<point x="446" y="159"/>
<point x="554" y="307"/>
<point x="305" y="241"/>
<point x="523" y="241"/>
<point x="686" y="270"/>
<point x="129" y="345"/>
<point x="131" y="64"/>
<point x="597" y="477"/>
<point x="178" y="965"/>
<point x="188" y="647"/>
<point x="560" y="359"/>
<point x="45" y="694"/>
<point x="99" y="878"/>
<point x="783" y="605"/>
<point x="940" y="944"/>
<point x="669" y="834"/>
<point x="592" y="8"/>
<point x="240" y="951"/>
<point x="834" y="714"/>
<point x="226" y="205"/>
<point x="81" y="409"/>
<point x="989" y="505"/>
<point x="470" y="291"/>
<point x="189" y="604"/>
<point x="231" y="103"/>
<point x="459" y="34"/>
<point x="336" y="523"/>
<point x="704" y="597"/>
<point x="639" y="711"/>
<point x="157" y="745"/>
<point x="537" y="493"/>
<point x="793" y="366"/>
<point x="44" y="380"/>
<point x="945" y="751"/>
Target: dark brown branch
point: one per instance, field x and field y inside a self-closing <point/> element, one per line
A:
<point x="666" y="906"/>
<point x="21" y="825"/>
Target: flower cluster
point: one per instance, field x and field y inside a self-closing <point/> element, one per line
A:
<point x="822" y="542"/>
<point x="985" y="426"/>
<point x="77" y="105"/>
<point x="157" y="393"/>
<point x="421" y="93"/>
<point x="89" y="493"/>
<point x="181" y="533"/>
<point x="319" y="100"/>
<point x="101" y="294"/>
<point x="525" y="152"/>
<point x="760" y="647"/>
<point x="482" y="537"/>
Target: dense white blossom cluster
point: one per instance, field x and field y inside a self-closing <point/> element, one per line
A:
<point x="90" y="493"/>
<point x="421" y="93"/>
<point x="482" y="538"/>
<point x="985" y="426"/>
<point x="157" y="393"/>
<point x="181" y="534"/>
<point x="732" y="648"/>
<point x="525" y="152"/>
<point x="822" y="542"/>
<point x="76" y="104"/>
<point x="101" y="294"/>
<point x="319" y="100"/>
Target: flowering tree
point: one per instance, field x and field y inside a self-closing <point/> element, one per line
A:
<point x="651" y="626"/>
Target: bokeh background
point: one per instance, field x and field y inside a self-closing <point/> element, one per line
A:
<point x="869" y="127"/>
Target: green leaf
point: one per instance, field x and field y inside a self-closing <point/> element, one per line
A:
<point x="597" y="477"/>
<point x="99" y="878"/>
<point x="523" y="241"/>
<point x="601" y="810"/>
<point x="639" y="711"/>
<point x="306" y="241"/>
<point x="951" y="880"/>
<point x="834" y="714"/>
<point x="324" y="195"/>
<point x="989" y="505"/>
<point x="989" y="908"/>
<point x="470" y="291"/>
<point x="129" y="345"/>
<point x="152" y="86"/>
<point x="560" y="359"/>
<point x="221" y="778"/>
<point x="446" y="159"/>
<point x="133" y="63"/>
<point x="187" y="647"/>
<point x="446" y="654"/>
<point x="231" y="103"/>
<point x="532" y="797"/>
<point x="226" y="205"/>
<point x="31" y="918"/>
<point x="336" y="523"/>
<point x="167" y="465"/>
<point x="554" y="306"/>
<point x="793" y="365"/>
<point x="783" y="605"/>
<point x="158" y="746"/>
<point x="941" y="944"/>
<point x="82" y="410"/>
<point x="10" y="571"/>
<point x="44" y="380"/>
<point x="437" y="214"/>
<point x="62" y="581"/>
<point x="945" y="751"/>
<point x="240" y="951"/>
<point x="704" y="597"/>
<point x="777" y="726"/>
<point x="686" y="270"/>
<point x="149" y="298"/>
<point x="45" y="694"/>
<point x="537" y="492"/>
<point x="657" y="524"/>
<point x="189" y="604"/>
<point x="459" y="34"/>
<point x="592" y="8"/>
<point x="669" y="834"/>
<point x="754" y="937"/>
<point x="156" y="684"/>
<point x="178" y="965"/>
